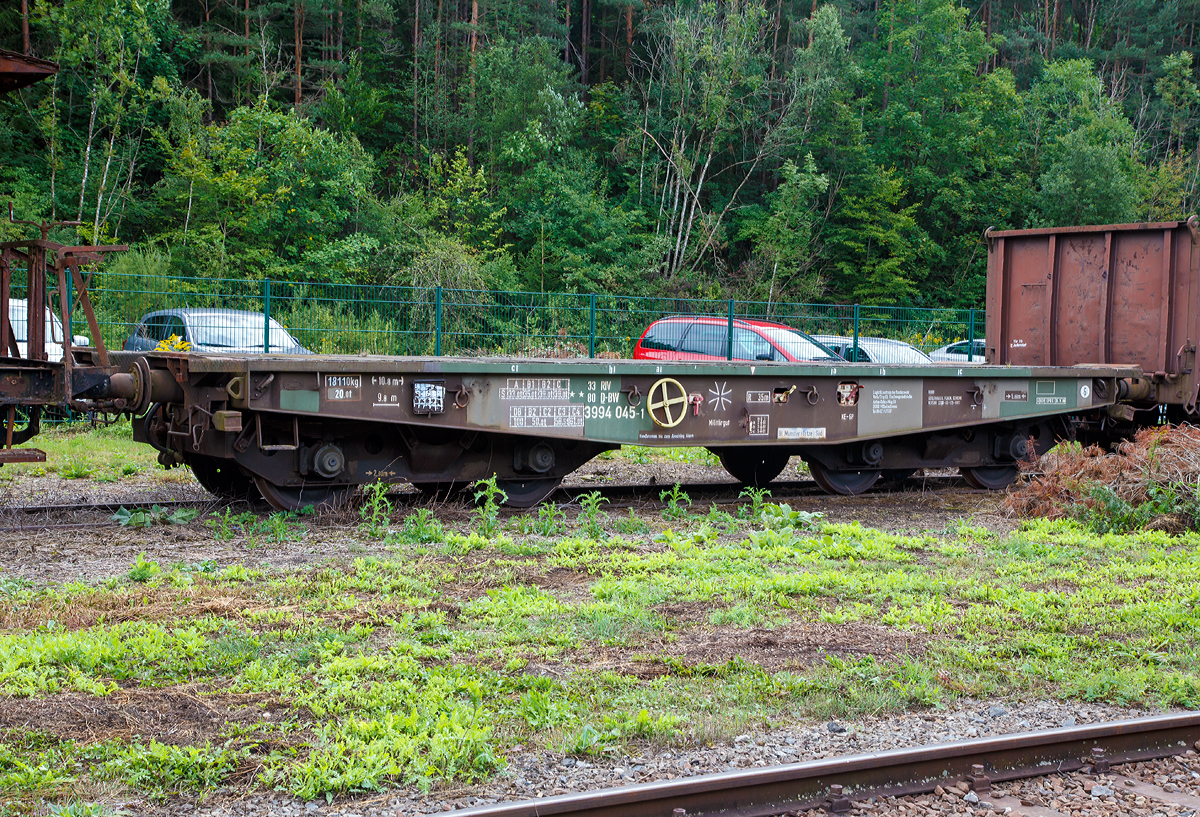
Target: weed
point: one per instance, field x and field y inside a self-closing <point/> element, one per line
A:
<point x="158" y="770"/>
<point x="632" y="525"/>
<point x="157" y="515"/>
<point x="143" y="570"/>
<point x="282" y="527"/>
<point x="589" y="512"/>
<point x="756" y="495"/>
<point x="720" y="519"/>
<point x="638" y="454"/>
<point x="551" y="521"/>
<point x="677" y="501"/>
<point x="487" y="515"/>
<point x="376" y="512"/>
<point x="76" y="469"/>
<point x="129" y="469"/>
<point x="81" y="808"/>
<point x="419" y="528"/>
<point x="11" y="585"/>
<point x="780" y="516"/>
<point x="229" y="525"/>
<point x="585" y="741"/>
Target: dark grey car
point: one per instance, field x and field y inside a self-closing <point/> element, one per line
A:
<point x="213" y="330"/>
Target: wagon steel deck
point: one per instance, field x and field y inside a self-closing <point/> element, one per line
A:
<point x="302" y="429"/>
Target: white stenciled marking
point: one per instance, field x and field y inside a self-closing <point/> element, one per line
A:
<point x="720" y="396"/>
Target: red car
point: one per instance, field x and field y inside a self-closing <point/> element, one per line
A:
<point x="686" y="337"/>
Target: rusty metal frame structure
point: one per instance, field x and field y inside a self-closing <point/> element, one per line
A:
<point x="31" y="382"/>
<point x="18" y="70"/>
<point x="833" y="783"/>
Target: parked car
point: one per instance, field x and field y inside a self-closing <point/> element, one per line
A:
<point x="957" y="353"/>
<point x="213" y="330"/>
<point x="18" y="317"/>
<point x="875" y="350"/>
<point x="687" y="337"/>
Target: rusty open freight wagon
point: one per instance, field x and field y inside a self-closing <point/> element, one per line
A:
<point x="1125" y="294"/>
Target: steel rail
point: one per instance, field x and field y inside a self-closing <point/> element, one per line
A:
<point x="898" y="772"/>
<point x="112" y="507"/>
<point x="563" y="495"/>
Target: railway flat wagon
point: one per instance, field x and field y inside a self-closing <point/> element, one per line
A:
<point x="1111" y="294"/>
<point x="303" y="430"/>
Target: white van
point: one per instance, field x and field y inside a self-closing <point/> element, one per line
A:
<point x="18" y="316"/>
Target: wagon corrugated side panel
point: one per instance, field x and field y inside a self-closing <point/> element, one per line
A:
<point x="1122" y="294"/>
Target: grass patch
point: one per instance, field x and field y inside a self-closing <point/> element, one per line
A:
<point x="428" y="664"/>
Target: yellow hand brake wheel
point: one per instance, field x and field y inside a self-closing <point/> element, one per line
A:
<point x="662" y="398"/>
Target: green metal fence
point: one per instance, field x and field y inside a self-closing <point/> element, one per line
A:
<point x="387" y="320"/>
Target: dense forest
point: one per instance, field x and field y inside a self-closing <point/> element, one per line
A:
<point x="763" y="149"/>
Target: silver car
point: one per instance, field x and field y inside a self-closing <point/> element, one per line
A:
<point x="876" y="350"/>
<point x="228" y="331"/>
<point x="957" y="353"/>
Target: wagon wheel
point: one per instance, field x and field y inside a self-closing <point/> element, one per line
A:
<point x="846" y="483"/>
<point x="525" y="493"/>
<point x="753" y="466"/>
<point x="991" y="477"/>
<point x="295" y="499"/>
<point x="223" y="478"/>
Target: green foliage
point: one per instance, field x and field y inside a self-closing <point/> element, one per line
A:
<point x="82" y="808"/>
<point x="784" y="153"/>
<point x="143" y="570"/>
<point x="757" y="496"/>
<point x="487" y="512"/>
<point x="780" y="516"/>
<point x="1106" y="512"/>
<point x="677" y="502"/>
<point x="156" y="515"/>
<point x="421" y="527"/>
<point x="376" y="512"/>
<point x="551" y="520"/>
<point x="589" y="514"/>
<point x="159" y="770"/>
<point x="229" y="525"/>
<point x="76" y="469"/>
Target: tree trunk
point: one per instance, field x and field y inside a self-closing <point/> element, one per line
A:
<point x="298" y="29"/>
<point x="567" y="44"/>
<point x="112" y="142"/>
<point x="437" y="51"/>
<point x="28" y="49"/>
<point x="416" y="44"/>
<point x="246" y="15"/>
<point x="474" y="41"/>
<point x="87" y="153"/>
<point x="341" y="30"/>
<point x="585" y="34"/>
<point x="628" y="38"/>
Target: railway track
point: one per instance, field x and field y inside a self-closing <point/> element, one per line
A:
<point x="618" y="496"/>
<point x="837" y="784"/>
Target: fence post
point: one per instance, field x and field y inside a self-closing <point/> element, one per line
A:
<point x="729" y="334"/>
<point x="592" y="328"/>
<point x="971" y="336"/>
<point x="855" y="347"/>
<point x="266" y="316"/>
<point x="68" y="335"/>
<point x="437" y="322"/>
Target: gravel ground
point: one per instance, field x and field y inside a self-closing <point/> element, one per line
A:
<point x="532" y="774"/>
